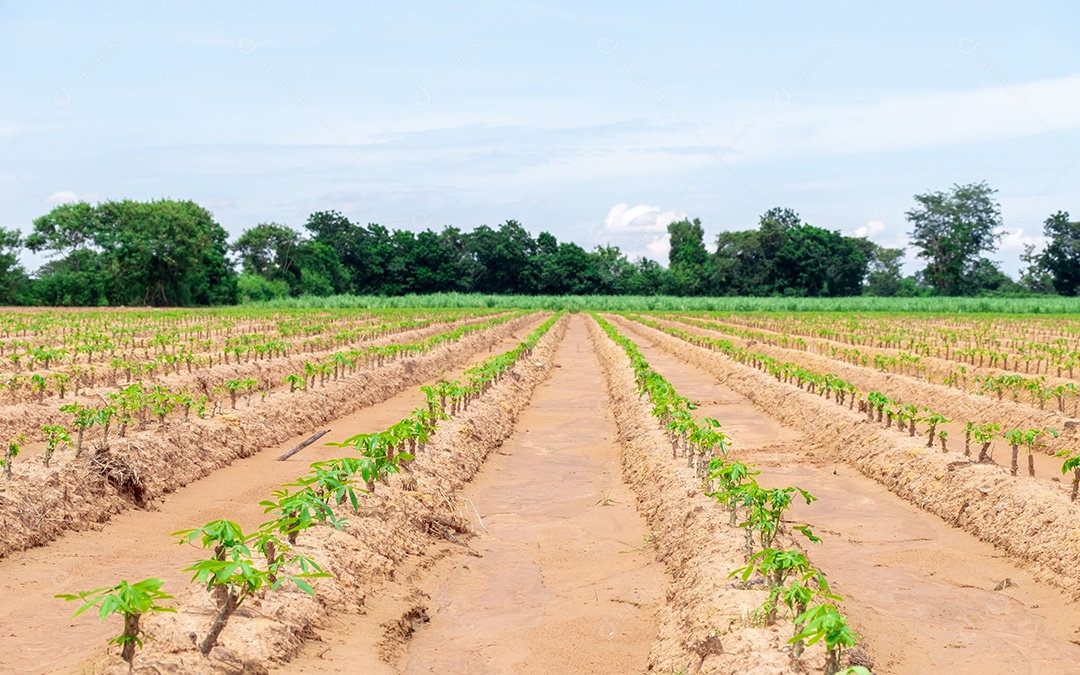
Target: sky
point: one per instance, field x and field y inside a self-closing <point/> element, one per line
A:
<point x="599" y="122"/>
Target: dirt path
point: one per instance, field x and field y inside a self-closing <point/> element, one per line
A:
<point x="563" y="584"/>
<point x="136" y="544"/>
<point x="920" y="592"/>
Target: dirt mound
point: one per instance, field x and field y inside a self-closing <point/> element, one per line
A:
<point x="1036" y="525"/>
<point x="705" y="625"/>
<point x="166" y="457"/>
<point x="394" y="523"/>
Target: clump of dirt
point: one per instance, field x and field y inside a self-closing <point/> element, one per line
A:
<point x="1033" y="523"/>
<point x="166" y="457"/>
<point x="706" y="625"/>
<point x="393" y="524"/>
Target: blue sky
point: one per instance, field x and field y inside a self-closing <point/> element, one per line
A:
<point x="599" y="122"/>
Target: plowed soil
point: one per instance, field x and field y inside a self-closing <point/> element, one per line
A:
<point x="924" y="595"/>
<point x="562" y="581"/>
<point x="578" y="544"/>
<point x="136" y="543"/>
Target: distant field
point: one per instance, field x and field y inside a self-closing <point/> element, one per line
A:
<point x="1036" y="305"/>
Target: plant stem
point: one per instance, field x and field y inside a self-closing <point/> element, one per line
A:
<point x="220" y="621"/>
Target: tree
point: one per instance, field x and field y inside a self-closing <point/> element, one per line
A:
<point x="1034" y="278"/>
<point x="571" y="271"/>
<point x="505" y="258"/>
<point x="815" y="262"/>
<point x="1061" y="259"/>
<point x="741" y="266"/>
<point x="80" y="279"/>
<point x="785" y="256"/>
<point x="951" y="230"/>
<point x="142" y="253"/>
<point x="269" y="250"/>
<point x="986" y="277"/>
<point x="616" y="273"/>
<point x="884" y="277"/>
<point x="687" y="258"/>
<point x="12" y="275"/>
<point x="320" y="271"/>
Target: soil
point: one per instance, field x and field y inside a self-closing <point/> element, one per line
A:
<point x="38" y="504"/>
<point x="955" y="404"/>
<point x="920" y="592"/>
<point x="136" y="544"/>
<point x="547" y="528"/>
<point x="560" y="580"/>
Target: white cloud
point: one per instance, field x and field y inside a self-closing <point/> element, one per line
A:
<point x="871" y="230"/>
<point x="640" y="231"/>
<point x="62" y="197"/>
<point x="1015" y="239"/>
<point x="69" y="196"/>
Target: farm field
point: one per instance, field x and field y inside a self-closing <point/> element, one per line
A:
<point x="504" y="490"/>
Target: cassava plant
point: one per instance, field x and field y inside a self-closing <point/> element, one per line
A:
<point x="84" y="419"/>
<point x="1072" y="463"/>
<point x="231" y="576"/>
<point x="985" y="434"/>
<point x="11" y="453"/>
<point x="824" y="623"/>
<point x="130" y="601"/>
<point x="54" y="436"/>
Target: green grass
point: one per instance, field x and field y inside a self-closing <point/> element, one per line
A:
<point x="606" y="303"/>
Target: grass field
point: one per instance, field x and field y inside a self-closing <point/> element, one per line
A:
<point x="607" y="303"/>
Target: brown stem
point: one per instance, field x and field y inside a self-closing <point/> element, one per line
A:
<point x="131" y="634"/>
<point x="1015" y="459"/>
<point x="832" y="661"/>
<point x="220" y="621"/>
<point x="1031" y="464"/>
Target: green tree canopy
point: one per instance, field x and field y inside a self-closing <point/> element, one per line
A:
<point x="885" y="277"/>
<point x="12" y="275"/>
<point x="268" y="250"/>
<point x="1061" y="258"/>
<point x="785" y="256"/>
<point x="141" y="253"/>
<point x="688" y="258"/>
<point x="951" y="230"/>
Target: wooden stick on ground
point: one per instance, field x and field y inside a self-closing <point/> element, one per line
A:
<point x="303" y="445"/>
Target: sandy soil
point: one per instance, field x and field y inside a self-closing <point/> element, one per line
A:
<point x="921" y="593"/>
<point x="953" y="403"/>
<point x="39" y="504"/>
<point x="136" y="544"/>
<point x="559" y="580"/>
<point x="579" y="544"/>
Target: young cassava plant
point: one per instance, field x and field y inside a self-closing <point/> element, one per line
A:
<point x="130" y="601"/>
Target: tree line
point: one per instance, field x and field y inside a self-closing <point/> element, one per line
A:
<point x="173" y="253"/>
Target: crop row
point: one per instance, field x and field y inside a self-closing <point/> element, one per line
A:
<point x="791" y="581"/>
<point x="1035" y="391"/>
<point x="879" y="406"/>
<point x="31" y="379"/>
<point x="1038" y="347"/>
<point x="238" y="566"/>
<point x="139" y="403"/>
